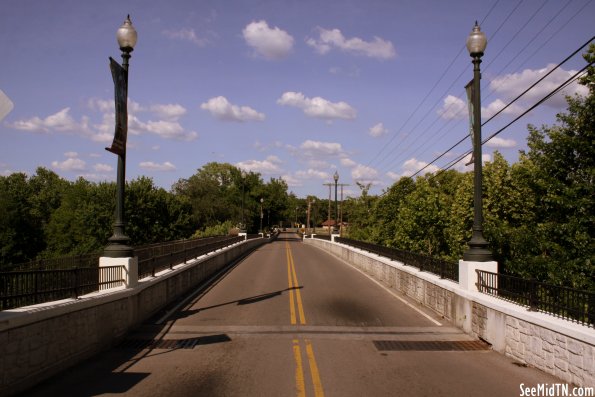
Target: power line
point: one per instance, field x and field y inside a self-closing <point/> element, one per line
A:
<point x="425" y="97"/>
<point x="545" y="98"/>
<point x="493" y="90"/>
<point x="396" y="156"/>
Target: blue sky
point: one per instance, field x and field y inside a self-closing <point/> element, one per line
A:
<point x="293" y="89"/>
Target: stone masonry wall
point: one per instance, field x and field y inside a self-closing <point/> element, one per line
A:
<point x="38" y="341"/>
<point x="564" y="349"/>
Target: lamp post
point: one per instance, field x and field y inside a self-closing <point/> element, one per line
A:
<point x="261" y="201"/>
<point x="243" y="225"/>
<point x="126" y="35"/>
<point x="478" y="247"/>
<point x="336" y="178"/>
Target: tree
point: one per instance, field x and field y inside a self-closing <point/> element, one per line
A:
<point x="83" y="222"/>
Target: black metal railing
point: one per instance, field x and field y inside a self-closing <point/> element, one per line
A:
<point x="64" y="262"/>
<point x="440" y="267"/>
<point x="564" y="302"/>
<point x="29" y="287"/>
<point x="323" y="237"/>
<point x="157" y="257"/>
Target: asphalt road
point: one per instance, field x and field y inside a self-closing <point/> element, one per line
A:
<point x="291" y="320"/>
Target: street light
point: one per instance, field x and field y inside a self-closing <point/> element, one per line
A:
<point x="261" y="201"/>
<point x="478" y="247"/>
<point x="243" y="225"/>
<point x="126" y="35"/>
<point x="336" y="178"/>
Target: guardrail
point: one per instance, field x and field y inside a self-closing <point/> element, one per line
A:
<point x="442" y="268"/>
<point x="29" y="287"/>
<point x="156" y="257"/>
<point x="323" y="237"/>
<point x="564" y="302"/>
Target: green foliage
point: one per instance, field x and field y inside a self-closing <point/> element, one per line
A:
<point x="220" y="229"/>
<point x="154" y="215"/>
<point x="82" y="223"/>
<point x="219" y="192"/>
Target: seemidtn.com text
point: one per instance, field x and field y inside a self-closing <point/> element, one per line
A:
<point x="556" y="390"/>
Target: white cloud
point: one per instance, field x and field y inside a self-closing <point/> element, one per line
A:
<point x="413" y="165"/>
<point x="377" y="130"/>
<point x="99" y="167"/>
<point x="222" y="109"/>
<point x="363" y="172"/>
<point x="151" y="166"/>
<point x="170" y="130"/>
<point x="292" y="181"/>
<point x="186" y="34"/>
<point x="393" y="175"/>
<point x="329" y="39"/>
<point x="60" y="122"/>
<point x="312" y="173"/>
<point x="511" y="85"/>
<point x="270" y="165"/>
<point x="71" y="155"/>
<point x="168" y="127"/>
<point x="346" y="162"/>
<point x="169" y="111"/>
<point x="271" y="43"/>
<point x="495" y="106"/>
<point x="453" y="108"/>
<point x="318" y="107"/>
<point x="501" y="143"/>
<point x="70" y="164"/>
<point x="101" y="105"/>
<point x="320" y="149"/>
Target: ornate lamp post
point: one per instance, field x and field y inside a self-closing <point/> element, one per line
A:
<point x="243" y="225"/>
<point x="261" y="214"/>
<point x="336" y="227"/>
<point x="126" y="35"/>
<point x="478" y="247"/>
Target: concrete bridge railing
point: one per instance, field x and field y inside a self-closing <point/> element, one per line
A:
<point x="39" y="341"/>
<point x="553" y="345"/>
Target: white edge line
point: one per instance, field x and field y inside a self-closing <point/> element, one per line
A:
<point x="394" y="294"/>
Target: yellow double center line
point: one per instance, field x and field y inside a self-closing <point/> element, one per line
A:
<point x="294" y="287"/>
<point x="300" y="380"/>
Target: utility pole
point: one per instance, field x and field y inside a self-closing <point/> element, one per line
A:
<point x="341" y="205"/>
<point x="329" y="206"/>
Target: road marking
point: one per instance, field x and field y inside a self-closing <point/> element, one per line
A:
<point x="297" y="353"/>
<point x="299" y="370"/>
<point x="291" y="299"/>
<point x="294" y="286"/>
<point x="318" y="392"/>
<point x="395" y="295"/>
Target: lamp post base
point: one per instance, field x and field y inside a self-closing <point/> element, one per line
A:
<point x="478" y="249"/>
<point x="118" y="247"/>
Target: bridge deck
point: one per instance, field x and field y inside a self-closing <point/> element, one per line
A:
<point x="291" y="320"/>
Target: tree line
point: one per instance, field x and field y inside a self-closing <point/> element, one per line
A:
<point x="44" y="215"/>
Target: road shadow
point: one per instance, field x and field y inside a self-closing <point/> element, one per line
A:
<point x="244" y="301"/>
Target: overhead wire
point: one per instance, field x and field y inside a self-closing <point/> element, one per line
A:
<point x="545" y="98"/>
<point x="493" y="89"/>
<point x="398" y="154"/>
<point x="427" y="95"/>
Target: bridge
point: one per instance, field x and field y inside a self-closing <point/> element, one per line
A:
<point x="291" y="316"/>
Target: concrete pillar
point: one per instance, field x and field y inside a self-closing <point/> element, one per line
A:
<point x="334" y="236"/>
<point x="468" y="274"/>
<point x="243" y="234"/>
<point x="129" y="271"/>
